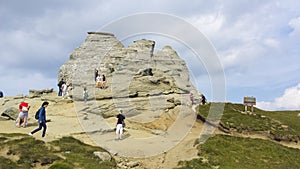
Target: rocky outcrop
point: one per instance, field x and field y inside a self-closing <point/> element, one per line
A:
<point x="39" y="93"/>
<point x="138" y="80"/>
<point x="11" y="113"/>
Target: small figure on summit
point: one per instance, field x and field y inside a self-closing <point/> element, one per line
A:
<point x="103" y="84"/>
<point x="96" y="74"/>
<point x="99" y="81"/>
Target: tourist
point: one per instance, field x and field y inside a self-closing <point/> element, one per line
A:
<point x="69" y="88"/>
<point x="60" y="83"/>
<point x="99" y="81"/>
<point x="96" y="74"/>
<point x="1" y="94"/>
<point x="103" y="83"/>
<point x="64" y="89"/>
<point x="192" y="98"/>
<point x="41" y="120"/>
<point x="22" y="119"/>
<point x="203" y="99"/>
<point x="120" y="124"/>
<point x="85" y="94"/>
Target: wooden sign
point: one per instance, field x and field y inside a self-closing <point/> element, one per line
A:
<point x="249" y="101"/>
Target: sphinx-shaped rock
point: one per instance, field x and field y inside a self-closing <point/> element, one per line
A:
<point x="136" y="73"/>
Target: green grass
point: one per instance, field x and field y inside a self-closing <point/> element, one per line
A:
<point x="29" y="151"/>
<point x="7" y="163"/>
<point x="79" y="154"/>
<point x="227" y="152"/>
<point x="64" y="153"/>
<point x="289" y="118"/>
<point x="270" y="123"/>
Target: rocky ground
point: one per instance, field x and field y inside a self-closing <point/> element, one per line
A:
<point x="64" y="121"/>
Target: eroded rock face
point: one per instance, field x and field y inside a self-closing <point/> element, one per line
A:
<point x="38" y="93"/>
<point x="138" y="79"/>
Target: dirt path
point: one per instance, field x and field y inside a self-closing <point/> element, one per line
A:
<point x="261" y="136"/>
<point x="164" y="151"/>
<point x="183" y="151"/>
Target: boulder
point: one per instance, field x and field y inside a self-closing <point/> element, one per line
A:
<point x="158" y="132"/>
<point x="104" y="156"/>
<point x="11" y="113"/>
<point x="39" y="93"/>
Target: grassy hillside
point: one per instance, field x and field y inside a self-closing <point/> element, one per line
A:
<point x="278" y="125"/>
<point x="227" y="152"/>
<point x="22" y="151"/>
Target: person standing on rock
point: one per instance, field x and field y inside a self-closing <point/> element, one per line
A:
<point x="203" y="99"/>
<point x="96" y="74"/>
<point x="41" y="120"/>
<point x="70" y="87"/>
<point x="99" y="81"/>
<point x="103" y="84"/>
<point x="60" y="83"/>
<point x="64" y="88"/>
<point x="192" y="98"/>
<point x="85" y="94"/>
<point x="120" y="125"/>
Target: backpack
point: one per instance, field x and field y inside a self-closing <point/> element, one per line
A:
<point x="37" y="114"/>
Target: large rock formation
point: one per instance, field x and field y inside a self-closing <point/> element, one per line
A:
<point x="138" y="79"/>
<point x="151" y="88"/>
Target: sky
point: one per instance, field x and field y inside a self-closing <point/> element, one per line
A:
<point x="257" y="42"/>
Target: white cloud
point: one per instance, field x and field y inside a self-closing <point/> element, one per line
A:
<point x="289" y="100"/>
<point x="209" y="23"/>
<point x="271" y="42"/>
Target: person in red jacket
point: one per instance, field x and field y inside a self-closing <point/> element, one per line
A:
<point x="23" y="115"/>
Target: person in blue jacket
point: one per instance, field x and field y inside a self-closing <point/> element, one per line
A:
<point x="41" y="120"/>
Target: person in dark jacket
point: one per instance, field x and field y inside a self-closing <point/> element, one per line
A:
<point x="60" y="83"/>
<point x="41" y="120"/>
<point x="1" y="94"/>
<point x="96" y="74"/>
<point x="120" y="125"/>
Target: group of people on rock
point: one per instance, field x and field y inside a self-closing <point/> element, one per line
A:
<point x="100" y="80"/>
<point x="22" y="119"/>
<point x="24" y="107"/>
<point x="63" y="88"/>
